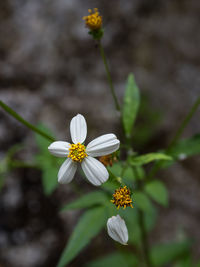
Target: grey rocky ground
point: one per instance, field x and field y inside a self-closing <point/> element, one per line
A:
<point x="51" y="70"/>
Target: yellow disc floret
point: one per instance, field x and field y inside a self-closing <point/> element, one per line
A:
<point x="77" y="152"/>
<point x="94" y="20"/>
<point x="122" y="198"/>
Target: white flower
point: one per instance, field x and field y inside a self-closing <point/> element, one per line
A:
<point x="117" y="229"/>
<point x="76" y="153"/>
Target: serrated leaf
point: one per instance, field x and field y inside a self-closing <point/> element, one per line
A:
<point x="147" y="158"/>
<point x="115" y="259"/>
<point x="158" y="192"/>
<point x="166" y="253"/>
<point x="88" y="200"/>
<point x="143" y="202"/>
<point x="89" y="225"/>
<point x="131" y="105"/>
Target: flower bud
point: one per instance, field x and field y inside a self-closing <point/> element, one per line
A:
<point x="94" y="23"/>
<point x="117" y="229"/>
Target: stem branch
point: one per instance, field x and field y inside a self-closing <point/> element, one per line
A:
<point x="145" y="243"/>
<point x="26" y="123"/>
<point x="185" y="123"/>
<point x="178" y="134"/>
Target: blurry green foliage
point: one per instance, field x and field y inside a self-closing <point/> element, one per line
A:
<point x="185" y="261"/>
<point x="157" y="191"/>
<point x="182" y="150"/>
<point x="147" y="121"/>
<point x="6" y="163"/>
<point x="110" y="185"/>
<point x="88" y="200"/>
<point x="89" y="225"/>
<point x="163" y="254"/>
<point x="143" y="202"/>
<point x="131" y="105"/>
<point x="2" y="180"/>
<point x="185" y="148"/>
<point x="131" y="217"/>
<point x="147" y="158"/>
<point x="115" y="259"/>
<point x="47" y="163"/>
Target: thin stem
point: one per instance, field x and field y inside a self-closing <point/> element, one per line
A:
<point x="145" y="243"/>
<point x="26" y="123"/>
<point x="178" y="134"/>
<point x="21" y="164"/>
<point x="117" y="106"/>
<point x="185" y="122"/>
<point x="144" y="239"/>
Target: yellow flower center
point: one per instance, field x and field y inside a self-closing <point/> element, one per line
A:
<point x="77" y="152"/>
<point x="94" y="20"/>
<point x="122" y="198"/>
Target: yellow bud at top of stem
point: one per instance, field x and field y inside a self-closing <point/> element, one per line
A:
<point x="93" y="21"/>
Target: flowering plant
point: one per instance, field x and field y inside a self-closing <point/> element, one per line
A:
<point x="128" y="183"/>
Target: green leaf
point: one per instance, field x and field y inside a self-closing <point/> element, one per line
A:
<point x="86" y="201"/>
<point x="115" y="259"/>
<point x="143" y="202"/>
<point x="131" y="105"/>
<point x="129" y="175"/>
<point x="49" y="164"/>
<point x="42" y="142"/>
<point x="116" y="169"/>
<point x="131" y="217"/>
<point x="185" y="261"/>
<point x="110" y="185"/>
<point x="147" y="158"/>
<point x="182" y="150"/>
<point x="158" y="192"/>
<point x="165" y="253"/>
<point x="49" y="176"/>
<point x="89" y="225"/>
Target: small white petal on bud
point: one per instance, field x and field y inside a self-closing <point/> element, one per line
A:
<point x="117" y="229"/>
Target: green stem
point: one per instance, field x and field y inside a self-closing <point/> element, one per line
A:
<point x="145" y="243"/>
<point x="178" y="134"/>
<point x="26" y="123"/>
<point x="117" y="106"/>
<point x="21" y="164"/>
<point x="185" y="123"/>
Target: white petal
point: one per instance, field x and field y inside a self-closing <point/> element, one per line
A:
<point x="78" y="129"/>
<point x="67" y="171"/>
<point x="117" y="229"/>
<point x="59" y="148"/>
<point x="94" y="170"/>
<point x="103" y="145"/>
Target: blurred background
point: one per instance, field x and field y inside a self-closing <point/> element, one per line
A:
<point x="50" y="70"/>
